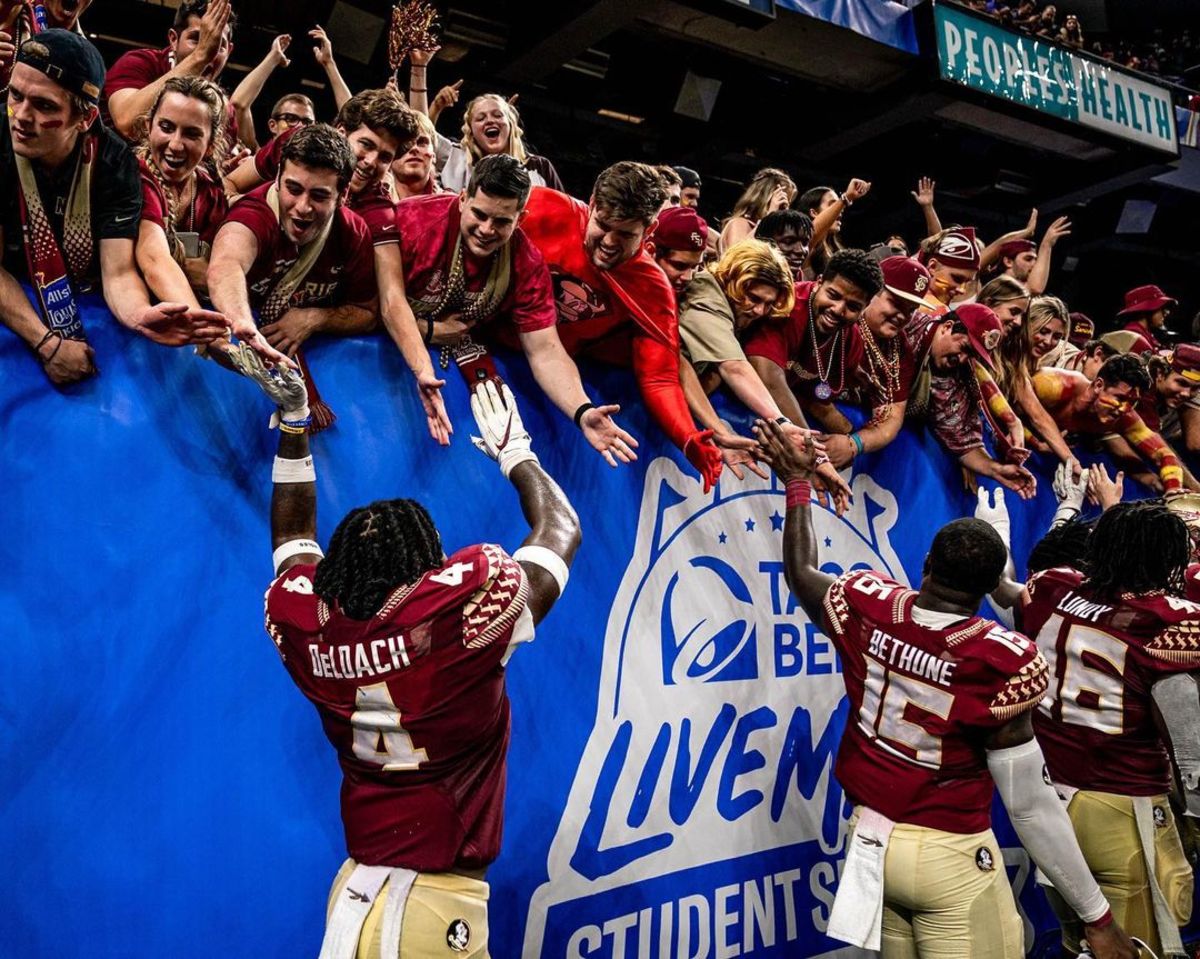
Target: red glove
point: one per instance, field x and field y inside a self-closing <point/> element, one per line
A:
<point x="703" y="454"/>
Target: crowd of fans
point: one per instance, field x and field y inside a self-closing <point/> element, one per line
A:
<point x="199" y="235"/>
<point x="1169" y="56"/>
<point x="142" y="178"/>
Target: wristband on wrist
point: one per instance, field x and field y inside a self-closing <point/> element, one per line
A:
<point x="418" y="89"/>
<point x="821" y="460"/>
<point x="583" y="408"/>
<point x="1104" y="921"/>
<point x="293" y="471"/>
<point x="428" y="331"/>
<point x="37" y="350"/>
<point x="799" y="492"/>
<point x="42" y="342"/>
<point x="846" y="201"/>
<point x="858" y="443"/>
<point x="782" y="421"/>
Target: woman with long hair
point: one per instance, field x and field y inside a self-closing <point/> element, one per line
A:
<point x="183" y="201"/>
<point x="1049" y="332"/>
<point x="770" y="190"/>
<point x="1012" y="375"/>
<point x="491" y="125"/>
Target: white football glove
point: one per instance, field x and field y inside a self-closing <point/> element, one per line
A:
<point x="284" y="387"/>
<point x="1070" y="493"/>
<point x="995" y="512"/>
<point x="504" y="437"/>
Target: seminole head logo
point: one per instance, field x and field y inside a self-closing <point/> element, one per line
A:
<point x="719" y="713"/>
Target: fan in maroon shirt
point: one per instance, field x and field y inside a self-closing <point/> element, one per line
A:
<point x="469" y="273"/>
<point x="198" y="44"/>
<point x="403" y="653"/>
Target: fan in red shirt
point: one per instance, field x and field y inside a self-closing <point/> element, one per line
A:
<point x="614" y="303"/>
<point x="198" y="44"/>
<point x="818" y="348"/>
<point x="941" y="700"/>
<point x="182" y="201"/>
<point x="1124" y="649"/>
<point x="884" y="379"/>
<point x="469" y="270"/>
<point x="294" y="253"/>
<point x="378" y="126"/>
<point x="403" y="650"/>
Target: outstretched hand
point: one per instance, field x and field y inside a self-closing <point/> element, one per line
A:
<point x="284" y="387"/>
<point x="503" y="436"/>
<point x="429" y="388"/>
<point x="703" y="454"/>
<point x="177" y="324"/>
<point x="601" y="430"/>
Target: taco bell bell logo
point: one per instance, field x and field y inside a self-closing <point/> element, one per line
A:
<point x="704" y="820"/>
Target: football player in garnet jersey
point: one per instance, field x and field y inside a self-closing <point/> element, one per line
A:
<point x="403" y="652"/>
<point x="1123" y="647"/>
<point x="941" y="701"/>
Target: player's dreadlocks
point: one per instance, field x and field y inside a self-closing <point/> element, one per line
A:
<point x="1137" y="548"/>
<point x="1065" y="545"/>
<point x="375" y="549"/>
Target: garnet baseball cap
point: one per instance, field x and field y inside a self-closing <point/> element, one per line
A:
<point x="69" y="60"/>
<point x="1185" y="360"/>
<point x="680" y="228"/>
<point x="1146" y="299"/>
<point x="906" y="278"/>
<point x="1014" y="248"/>
<point x="982" y="326"/>
<point x="1082" y="329"/>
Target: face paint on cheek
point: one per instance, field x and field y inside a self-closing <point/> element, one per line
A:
<point x="53" y="124"/>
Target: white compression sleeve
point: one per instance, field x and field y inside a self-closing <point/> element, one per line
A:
<point x="1178" y="702"/>
<point x="548" y="560"/>
<point x="1043" y="827"/>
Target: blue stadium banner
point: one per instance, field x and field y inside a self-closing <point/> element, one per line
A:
<point x="1054" y="80"/>
<point x="670" y="788"/>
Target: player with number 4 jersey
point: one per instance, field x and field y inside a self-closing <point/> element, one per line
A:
<point x="1122" y="645"/>
<point x="940" y="711"/>
<point x="403" y="651"/>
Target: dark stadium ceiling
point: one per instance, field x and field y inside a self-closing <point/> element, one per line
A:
<point x="602" y="81"/>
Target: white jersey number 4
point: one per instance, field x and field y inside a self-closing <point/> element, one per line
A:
<point x="379" y="737"/>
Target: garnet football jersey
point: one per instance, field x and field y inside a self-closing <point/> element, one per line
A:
<point x="1096" y="724"/>
<point x="414" y="702"/>
<point x="1192" y="583"/>
<point x="924" y="701"/>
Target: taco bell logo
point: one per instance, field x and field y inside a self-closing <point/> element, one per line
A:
<point x="704" y="820"/>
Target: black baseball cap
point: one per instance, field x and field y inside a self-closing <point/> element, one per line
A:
<point x="69" y="60"/>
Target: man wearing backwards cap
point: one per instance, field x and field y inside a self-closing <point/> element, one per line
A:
<point x="885" y="376"/>
<point x="945" y="350"/>
<point x="1106" y="406"/>
<point x="70" y="183"/>
<point x="1025" y="262"/>
<point x="1146" y="309"/>
<point x="952" y="258"/>
<point x="677" y="244"/>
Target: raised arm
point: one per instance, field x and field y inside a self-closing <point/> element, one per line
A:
<point x="1154" y="449"/>
<point x="923" y="194"/>
<point x="991" y="252"/>
<point x="801" y="565"/>
<point x="1039" y="273"/>
<point x="823" y="222"/>
<point x="323" y="54"/>
<point x="549" y="549"/>
<point x="125" y="106"/>
<point x="774" y="379"/>
<point x="251" y="86"/>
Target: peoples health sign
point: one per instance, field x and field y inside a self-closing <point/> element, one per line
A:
<point x="1053" y="80"/>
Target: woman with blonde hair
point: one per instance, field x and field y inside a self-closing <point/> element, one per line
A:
<point x="751" y="284"/>
<point x="1049" y="323"/>
<point x="491" y="125"/>
<point x="1011" y="377"/>
<point x="769" y="191"/>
